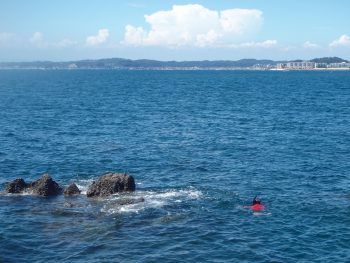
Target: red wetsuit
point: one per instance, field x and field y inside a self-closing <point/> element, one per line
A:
<point x="257" y="207"/>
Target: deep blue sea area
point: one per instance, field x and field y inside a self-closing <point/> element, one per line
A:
<point x="200" y="145"/>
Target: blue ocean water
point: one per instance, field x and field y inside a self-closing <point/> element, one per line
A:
<point x="200" y="145"/>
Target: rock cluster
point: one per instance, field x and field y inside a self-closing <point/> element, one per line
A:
<point x="44" y="186"/>
<point x="106" y="185"/>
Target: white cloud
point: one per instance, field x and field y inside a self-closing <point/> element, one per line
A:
<point x="65" y="43"/>
<point x="194" y="25"/>
<point x="37" y="37"/>
<point x="100" y="38"/>
<point x="240" y="21"/>
<point x="134" y="35"/>
<point x="37" y="40"/>
<point x="342" y="41"/>
<point x="308" y="44"/>
<point x="265" y="44"/>
<point x="6" y="38"/>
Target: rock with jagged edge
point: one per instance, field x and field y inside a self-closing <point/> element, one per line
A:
<point x="17" y="186"/>
<point x="45" y="186"/>
<point x="111" y="183"/>
<point x="72" y="189"/>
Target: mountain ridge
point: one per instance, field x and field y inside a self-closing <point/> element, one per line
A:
<point x="122" y="63"/>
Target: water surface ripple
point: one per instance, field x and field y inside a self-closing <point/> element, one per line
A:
<point x="200" y="144"/>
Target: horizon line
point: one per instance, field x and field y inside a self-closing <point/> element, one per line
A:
<point x="107" y="58"/>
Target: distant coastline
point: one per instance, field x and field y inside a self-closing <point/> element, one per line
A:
<point x="326" y="63"/>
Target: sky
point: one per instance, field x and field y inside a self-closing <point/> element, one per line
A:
<point x="66" y="30"/>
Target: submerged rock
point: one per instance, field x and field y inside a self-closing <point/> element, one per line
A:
<point x="111" y="183"/>
<point x="72" y="189"/>
<point x="45" y="186"/>
<point x="16" y="186"/>
<point x="68" y="205"/>
<point x="130" y="201"/>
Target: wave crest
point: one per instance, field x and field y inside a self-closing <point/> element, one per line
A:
<point x="142" y="200"/>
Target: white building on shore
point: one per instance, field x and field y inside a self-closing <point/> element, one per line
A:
<point x="307" y="65"/>
<point x="297" y="65"/>
<point x="342" y="65"/>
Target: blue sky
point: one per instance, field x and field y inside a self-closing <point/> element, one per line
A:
<point x="173" y="30"/>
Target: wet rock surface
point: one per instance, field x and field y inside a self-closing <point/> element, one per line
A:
<point x="16" y="186"/>
<point x="111" y="183"/>
<point x="130" y="201"/>
<point x="104" y="186"/>
<point x="68" y="205"/>
<point x="72" y="189"/>
<point x="45" y="186"/>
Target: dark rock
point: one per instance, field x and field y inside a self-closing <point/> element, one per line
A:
<point x="72" y="189"/>
<point x="16" y="186"/>
<point x="45" y="186"/>
<point x="111" y="183"/>
<point x="130" y="201"/>
<point x="68" y="205"/>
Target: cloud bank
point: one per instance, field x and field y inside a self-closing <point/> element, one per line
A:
<point x="342" y="41"/>
<point x="65" y="43"/>
<point x="100" y="38"/>
<point x="265" y="44"/>
<point x="37" y="40"/>
<point x="196" y="26"/>
<point x="309" y="44"/>
<point x="6" y="38"/>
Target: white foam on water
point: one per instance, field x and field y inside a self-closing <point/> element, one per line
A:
<point x="151" y="199"/>
<point x="14" y="194"/>
<point x="25" y="192"/>
<point x="261" y="214"/>
<point x="83" y="185"/>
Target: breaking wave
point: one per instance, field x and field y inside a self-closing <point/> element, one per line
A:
<point x="142" y="200"/>
<point x="83" y="185"/>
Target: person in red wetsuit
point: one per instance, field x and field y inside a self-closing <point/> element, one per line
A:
<point x="257" y="205"/>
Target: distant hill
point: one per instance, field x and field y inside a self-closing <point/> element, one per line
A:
<point x="120" y="63"/>
<point x="146" y="63"/>
<point x="328" y="60"/>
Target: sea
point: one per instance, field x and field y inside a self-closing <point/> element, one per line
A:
<point x="200" y="145"/>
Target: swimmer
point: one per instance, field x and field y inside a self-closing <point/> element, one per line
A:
<point x="256" y="201"/>
<point x="256" y="205"/>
